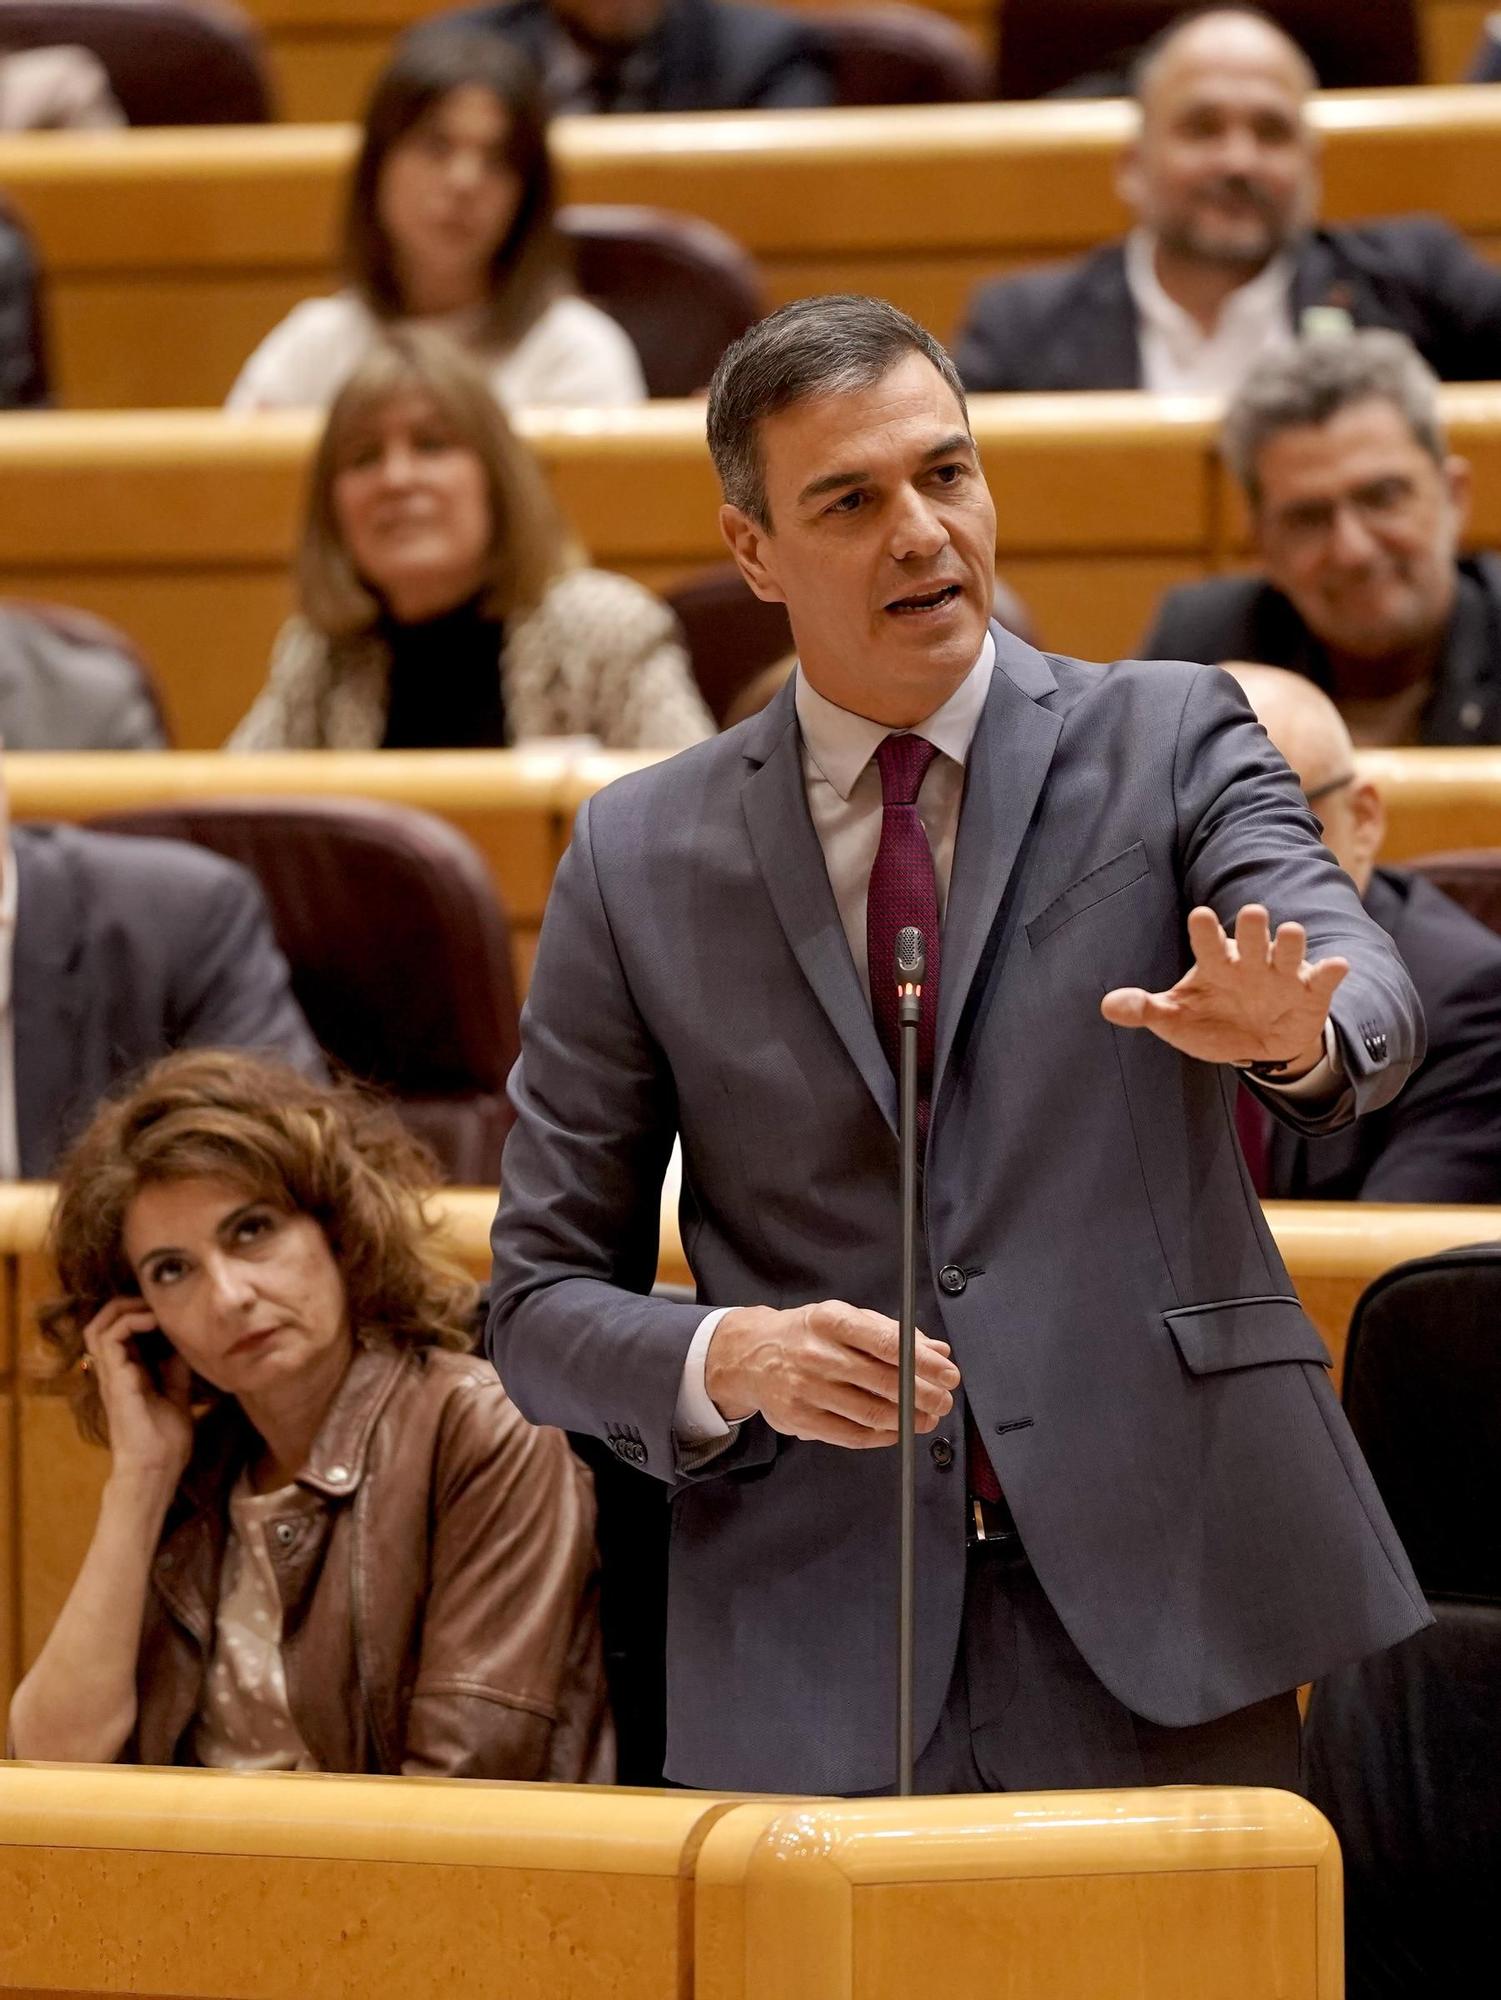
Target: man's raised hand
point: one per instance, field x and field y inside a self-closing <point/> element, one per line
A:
<point x="1250" y="998"/>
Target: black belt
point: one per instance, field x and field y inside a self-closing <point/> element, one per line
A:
<point x="990" y="1526"/>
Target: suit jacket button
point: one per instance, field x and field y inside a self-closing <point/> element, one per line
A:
<point x="943" y="1453"/>
<point x="952" y="1280"/>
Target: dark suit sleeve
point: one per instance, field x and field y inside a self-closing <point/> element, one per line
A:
<point x="1173" y="635"/>
<point x="990" y="346"/>
<point x="1441" y="1140"/>
<point x="231" y="987"/>
<point x="571" y="1333"/>
<point x="1458" y="294"/>
<point x="1245" y="835"/>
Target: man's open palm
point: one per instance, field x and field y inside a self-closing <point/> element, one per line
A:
<point x="1250" y="998"/>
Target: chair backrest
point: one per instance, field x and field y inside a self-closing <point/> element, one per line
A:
<point x="901" y="55"/>
<point x="1423" y="1395"/>
<point x="681" y="288"/>
<point x="398" y="947"/>
<point x="1047" y="45"/>
<point x="82" y="628"/>
<point x="170" y="62"/>
<point x="1471" y="875"/>
<point x="731" y="634"/>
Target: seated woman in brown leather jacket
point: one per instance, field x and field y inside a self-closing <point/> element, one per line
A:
<point x="327" y="1540"/>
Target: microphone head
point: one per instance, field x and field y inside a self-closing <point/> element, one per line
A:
<point x="911" y="956"/>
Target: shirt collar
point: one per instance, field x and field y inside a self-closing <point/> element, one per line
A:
<point x="842" y="743"/>
<point x="1265" y="295"/>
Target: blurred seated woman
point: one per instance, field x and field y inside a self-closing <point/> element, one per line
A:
<point x="442" y="604"/>
<point x="327" y="1541"/>
<point x="450" y="220"/>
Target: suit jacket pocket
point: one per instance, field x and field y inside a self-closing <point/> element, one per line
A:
<point x="1118" y="873"/>
<point x="1245" y="1333"/>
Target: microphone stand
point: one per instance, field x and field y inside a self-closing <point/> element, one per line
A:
<point x="911" y="965"/>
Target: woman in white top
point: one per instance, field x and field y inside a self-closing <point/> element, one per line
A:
<point x="450" y="221"/>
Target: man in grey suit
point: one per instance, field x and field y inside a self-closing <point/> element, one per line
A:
<point x="1110" y="1341"/>
<point x="114" y="950"/>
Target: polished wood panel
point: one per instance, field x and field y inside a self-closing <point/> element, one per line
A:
<point x="254" y="1887"/>
<point x="148" y="234"/>
<point x="1181" y="1894"/>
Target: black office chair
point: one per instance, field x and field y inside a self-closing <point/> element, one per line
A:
<point x="1085" y="48"/>
<point x="1403" y="1749"/>
<point x="900" y="55"/>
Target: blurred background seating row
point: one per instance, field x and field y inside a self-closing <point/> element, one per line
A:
<point x="179" y="526"/>
<point x="140" y="233"/>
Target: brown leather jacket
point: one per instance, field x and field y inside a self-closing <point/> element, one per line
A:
<point x="438" y="1599"/>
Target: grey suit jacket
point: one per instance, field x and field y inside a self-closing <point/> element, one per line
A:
<point x="60" y="694"/>
<point x="124" y="949"/>
<point x="1156" y="1402"/>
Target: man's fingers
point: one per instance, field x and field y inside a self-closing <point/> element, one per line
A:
<point x="1206" y="937"/>
<point x="873" y="1334"/>
<point x="1253" y="933"/>
<point x="1288" y="947"/>
<point x="1324" y="977"/>
<point x="1126" y="1007"/>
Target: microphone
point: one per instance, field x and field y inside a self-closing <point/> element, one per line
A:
<point x="911" y="968"/>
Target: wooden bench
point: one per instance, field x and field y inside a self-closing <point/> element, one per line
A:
<point x="49" y="1499"/>
<point x="171" y="253"/>
<point x="179" y="525"/>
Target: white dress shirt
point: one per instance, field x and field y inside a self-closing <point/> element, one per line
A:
<point x="1178" y="358"/>
<point x="10" y="1137"/>
<point x="843" y="783"/>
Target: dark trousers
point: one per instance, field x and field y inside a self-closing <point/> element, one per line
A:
<point x="1024" y="1713"/>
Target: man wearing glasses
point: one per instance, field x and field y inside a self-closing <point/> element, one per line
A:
<point x="1357" y="510"/>
<point x="1441" y="1139"/>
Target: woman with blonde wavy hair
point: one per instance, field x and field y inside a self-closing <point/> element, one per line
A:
<point x="327" y="1540"/>
<point x="443" y="604"/>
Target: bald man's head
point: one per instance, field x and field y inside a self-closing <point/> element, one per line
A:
<point x="1304" y="724"/>
<point x="1224" y="169"/>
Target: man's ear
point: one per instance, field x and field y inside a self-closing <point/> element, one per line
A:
<point x="1457" y="480"/>
<point x="749" y="544"/>
<point x="1368" y="818"/>
<point x="1128" y="175"/>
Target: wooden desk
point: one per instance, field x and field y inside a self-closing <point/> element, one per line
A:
<point x="170" y="254"/>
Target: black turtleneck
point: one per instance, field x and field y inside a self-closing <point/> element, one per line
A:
<point x="445" y="682"/>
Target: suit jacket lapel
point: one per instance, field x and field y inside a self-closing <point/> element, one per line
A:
<point x="1008" y="762"/>
<point x="1103" y="338"/>
<point x="44" y="995"/>
<point x="788" y="854"/>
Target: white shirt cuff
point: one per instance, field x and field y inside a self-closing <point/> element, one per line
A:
<point x="697" y="1419"/>
<point x="1323" y="1080"/>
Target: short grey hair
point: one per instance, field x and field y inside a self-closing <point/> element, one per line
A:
<point x="1316" y="378"/>
<point x="830" y="346"/>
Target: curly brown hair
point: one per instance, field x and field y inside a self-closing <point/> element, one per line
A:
<point x="334" y="1152"/>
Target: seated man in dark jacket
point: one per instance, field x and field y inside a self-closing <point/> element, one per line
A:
<point x="664" y="55"/>
<point x="23" y="368"/>
<point x="1358" y="510"/>
<point x="1226" y="261"/>
<point x="114" y="950"/>
<point x="1440" y="1140"/>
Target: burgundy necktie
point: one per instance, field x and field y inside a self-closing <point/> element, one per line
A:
<point x="904" y="890"/>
